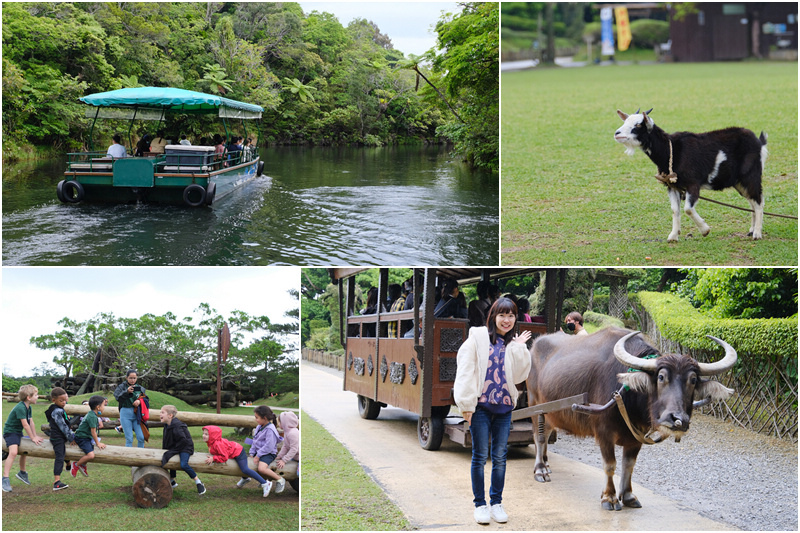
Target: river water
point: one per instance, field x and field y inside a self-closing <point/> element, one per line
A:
<point x="313" y="206"/>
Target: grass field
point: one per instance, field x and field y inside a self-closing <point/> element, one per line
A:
<point x="570" y="195"/>
<point x="103" y="501"/>
<point x="337" y="494"/>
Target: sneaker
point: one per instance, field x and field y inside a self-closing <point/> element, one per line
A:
<point x="482" y="515"/>
<point x="201" y="489"/>
<point x="74" y="470"/>
<point x="499" y="514"/>
<point x="267" y="485"/>
<point x="280" y="485"/>
<point x="58" y="485"/>
<point x="173" y="483"/>
<point x="23" y="476"/>
<point x="83" y="470"/>
<point x="242" y="482"/>
<point x="119" y="429"/>
<point x="7" y="485"/>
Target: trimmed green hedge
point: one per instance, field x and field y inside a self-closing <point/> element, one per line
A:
<point x="601" y="320"/>
<point x="680" y="322"/>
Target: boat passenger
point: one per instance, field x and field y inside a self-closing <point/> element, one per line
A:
<point x="185" y="141"/>
<point x="116" y="150"/>
<point x="143" y="146"/>
<point x="157" y="145"/>
<point x="234" y="147"/>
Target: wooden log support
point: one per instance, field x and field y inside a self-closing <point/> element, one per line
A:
<point x="187" y="417"/>
<point x="151" y="487"/>
<point x="120" y="455"/>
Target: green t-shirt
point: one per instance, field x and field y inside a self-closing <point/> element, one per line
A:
<point x="85" y="429"/>
<point x="18" y="414"/>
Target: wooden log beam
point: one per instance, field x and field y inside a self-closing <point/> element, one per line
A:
<point x="151" y="487"/>
<point x="187" y="417"/>
<point x="122" y="456"/>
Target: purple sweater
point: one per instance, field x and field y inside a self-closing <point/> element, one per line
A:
<point x="265" y="441"/>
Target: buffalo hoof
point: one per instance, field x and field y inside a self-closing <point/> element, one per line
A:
<point x="632" y="502"/>
<point x="611" y="505"/>
<point x="541" y="476"/>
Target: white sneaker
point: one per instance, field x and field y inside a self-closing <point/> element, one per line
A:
<point x="241" y="483"/>
<point x="280" y="485"/>
<point x="482" y="515"/>
<point x="499" y="514"/>
<point x="266" y="486"/>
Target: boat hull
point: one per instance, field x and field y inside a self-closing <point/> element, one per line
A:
<point x="135" y="181"/>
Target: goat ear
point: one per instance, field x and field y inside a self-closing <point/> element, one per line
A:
<point x="648" y="121"/>
<point x="622" y="115"/>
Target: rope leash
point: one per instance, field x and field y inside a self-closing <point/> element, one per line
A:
<point x="671" y="178"/>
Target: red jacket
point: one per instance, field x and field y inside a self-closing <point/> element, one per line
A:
<point x="221" y="449"/>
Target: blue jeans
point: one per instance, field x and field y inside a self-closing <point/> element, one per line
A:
<point x="241" y="460"/>
<point x="485" y="425"/>
<point x="130" y="425"/>
<point x="185" y="466"/>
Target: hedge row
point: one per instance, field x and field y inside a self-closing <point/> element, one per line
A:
<point x="602" y="321"/>
<point x="680" y="322"/>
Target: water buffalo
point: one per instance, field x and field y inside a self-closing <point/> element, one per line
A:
<point x="659" y="396"/>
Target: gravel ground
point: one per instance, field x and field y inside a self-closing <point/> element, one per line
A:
<point x="723" y="472"/>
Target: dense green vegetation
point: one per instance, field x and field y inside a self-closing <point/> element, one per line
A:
<point x="162" y="346"/>
<point x="320" y="82"/>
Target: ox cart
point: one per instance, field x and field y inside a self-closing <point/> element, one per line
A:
<point x="386" y="365"/>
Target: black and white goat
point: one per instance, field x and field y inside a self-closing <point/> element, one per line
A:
<point x="688" y="162"/>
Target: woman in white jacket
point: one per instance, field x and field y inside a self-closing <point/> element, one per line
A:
<point x="490" y="363"/>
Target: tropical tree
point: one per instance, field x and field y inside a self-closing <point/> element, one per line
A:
<point x="216" y="78"/>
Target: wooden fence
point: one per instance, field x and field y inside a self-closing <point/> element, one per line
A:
<point x="323" y="358"/>
<point x="766" y="393"/>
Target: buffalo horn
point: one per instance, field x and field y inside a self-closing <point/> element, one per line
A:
<point x="622" y="355"/>
<point x="723" y="365"/>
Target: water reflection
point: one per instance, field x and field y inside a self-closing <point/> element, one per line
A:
<point x="319" y="206"/>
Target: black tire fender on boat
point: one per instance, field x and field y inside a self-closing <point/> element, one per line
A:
<point x="60" y="192"/>
<point x="194" y="190"/>
<point x="260" y="168"/>
<point x="211" y="192"/>
<point x="72" y="191"/>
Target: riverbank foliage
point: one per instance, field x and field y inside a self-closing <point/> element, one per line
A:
<point x="319" y="81"/>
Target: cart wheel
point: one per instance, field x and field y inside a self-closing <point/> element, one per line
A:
<point x="295" y="484"/>
<point x="440" y="411"/>
<point x="430" y="431"/>
<point x="368" y="409"/>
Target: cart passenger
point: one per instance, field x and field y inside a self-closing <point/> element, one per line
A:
<point x="490" y="363"/>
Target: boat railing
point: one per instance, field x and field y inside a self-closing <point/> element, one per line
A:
<point x="89" y="162"/>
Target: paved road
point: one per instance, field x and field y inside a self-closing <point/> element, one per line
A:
<point x="433" y="488"/>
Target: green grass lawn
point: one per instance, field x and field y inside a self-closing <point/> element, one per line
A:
<point x="107" y="490"/>
<point x="337" y="494"/>
<point x="570" y="195"/>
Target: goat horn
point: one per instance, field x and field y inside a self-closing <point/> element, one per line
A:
<point x="637" y="111"/>
<point x="648" y="112"/>
<point x="624" y="357"/>
<point x="723" y="365"/>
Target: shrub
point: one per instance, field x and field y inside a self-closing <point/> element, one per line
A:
<point x="647" y="33"/>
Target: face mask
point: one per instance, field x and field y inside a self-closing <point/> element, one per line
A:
<point x="571" y="326"/>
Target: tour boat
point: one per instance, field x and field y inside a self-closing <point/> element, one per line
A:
<point x="182" y="175"/>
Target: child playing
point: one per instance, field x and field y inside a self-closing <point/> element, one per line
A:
<point x="86" y="435"/>
<point x="60" y="433"/>
<point x="18" y="421"/>
<point x="291" y="440"/>
<point x="265" y="447"/>
<point x="222" y="449"/>
<point x="178" y="441"/>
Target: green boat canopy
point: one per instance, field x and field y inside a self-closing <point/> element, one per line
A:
<point x="176" y="100"/>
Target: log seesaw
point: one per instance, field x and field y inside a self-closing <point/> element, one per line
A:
<point x="151" y="485"/>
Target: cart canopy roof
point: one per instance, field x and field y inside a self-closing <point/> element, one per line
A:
<point x="172" y="99"/>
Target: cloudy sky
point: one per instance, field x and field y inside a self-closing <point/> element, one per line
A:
<point x="35" y="299"/>
<point x="408" y="24"/>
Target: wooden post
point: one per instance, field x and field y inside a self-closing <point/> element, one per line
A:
<point x="151" y="487"/>
<point x="120" y="455"/>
